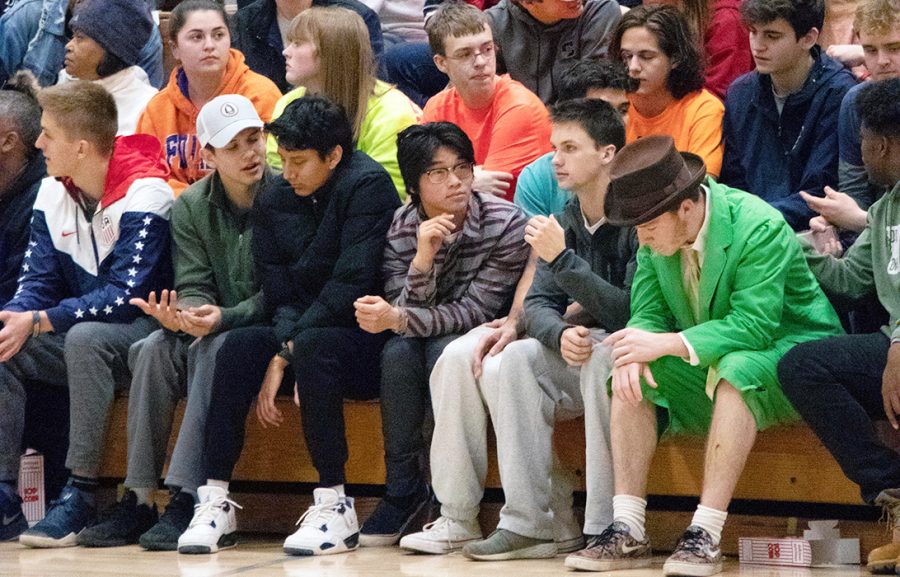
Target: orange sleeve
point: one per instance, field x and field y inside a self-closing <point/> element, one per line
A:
<point x="705" y="132"/>
<point x="520" y="134"/>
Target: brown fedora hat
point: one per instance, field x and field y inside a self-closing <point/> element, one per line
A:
<point x="649" y="177"/>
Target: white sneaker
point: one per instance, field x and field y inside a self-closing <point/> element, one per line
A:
<point x="328" y="527"/>
<point x="213" y="526"/>
<point x="442" y="536"/>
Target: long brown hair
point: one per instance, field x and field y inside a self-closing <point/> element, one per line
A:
<point x="346" y="61"/>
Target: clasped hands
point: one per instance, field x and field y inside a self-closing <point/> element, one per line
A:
<point x="195" y="321"/>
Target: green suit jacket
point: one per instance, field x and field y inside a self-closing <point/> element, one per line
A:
<point x="756" y="290"/>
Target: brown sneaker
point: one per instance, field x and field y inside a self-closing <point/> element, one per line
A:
<point x="612" y="550"/>
<point x="695" y="555"/>
<point x="883" y="560"/>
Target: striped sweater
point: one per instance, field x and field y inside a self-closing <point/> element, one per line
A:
<point x="472" y="279"/>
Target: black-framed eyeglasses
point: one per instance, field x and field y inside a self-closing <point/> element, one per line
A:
<point x="462" y="170"/>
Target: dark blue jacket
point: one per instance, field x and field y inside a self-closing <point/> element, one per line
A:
<point x="15" y="217"/>
<point x="256" y="34"/>
<point x="776" y="156"/>
<point x="316" y="255"/>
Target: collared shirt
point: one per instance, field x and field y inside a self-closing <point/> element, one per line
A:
<point x="699" y="247"/>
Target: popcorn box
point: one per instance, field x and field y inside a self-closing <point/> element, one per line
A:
<point x="31" y="486"/>
<point x="821" y="545"/>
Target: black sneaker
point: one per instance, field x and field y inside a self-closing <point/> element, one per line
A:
<point x="696" y="555"/>
<point x="119" y="525"/>
<point x="174" y="521"/>
<point x="387" y="523"/>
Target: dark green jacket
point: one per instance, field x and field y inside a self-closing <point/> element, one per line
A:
<point x="213" y="254"/>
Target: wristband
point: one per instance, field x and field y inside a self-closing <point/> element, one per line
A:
<point x="35" y="323"/>
<point x="285" y="353"/>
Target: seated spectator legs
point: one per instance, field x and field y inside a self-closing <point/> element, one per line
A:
<point x="836" y="385"/>
<point x="535" y="380"/>
<point x="841" y="384"/>
<point x="406" y="364"/>
<point x="321" y="357"/>
<point x="41" y="358"/>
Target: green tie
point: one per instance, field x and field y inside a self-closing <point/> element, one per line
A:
<point x="690" y="267"/>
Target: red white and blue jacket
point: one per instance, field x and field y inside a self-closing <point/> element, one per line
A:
<point x="80" y="269"/>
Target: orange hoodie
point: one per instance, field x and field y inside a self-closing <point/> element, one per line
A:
<point x="172" y="117"/>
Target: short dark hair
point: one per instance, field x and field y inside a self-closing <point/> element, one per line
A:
<point x="19" y="106"/>
<point x="454" y="19"/>
<point x="675" y="40"/>
<point x="417" y="144"/>
<point x="592" y="74"/>
<point x="802" y="15"/>
<point x="597" y="117"/>
<point x="313" y="122"/>
<point x="878" y="106"/>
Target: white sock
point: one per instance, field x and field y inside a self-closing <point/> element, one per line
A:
<point x="710" y="519"/>
<point x="339" y="489"/>
<point x="632" y="511"/>
<point x="219" y="484"/>
<point x="144" y="495"/>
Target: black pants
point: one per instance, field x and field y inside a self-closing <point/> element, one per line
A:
<point x="331" y="364"/>
<point x="835" y="384"/>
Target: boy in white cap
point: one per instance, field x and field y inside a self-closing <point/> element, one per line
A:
<point x="215" y="291"/>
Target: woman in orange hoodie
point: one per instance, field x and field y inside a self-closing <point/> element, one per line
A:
<point x="207" y="68"/>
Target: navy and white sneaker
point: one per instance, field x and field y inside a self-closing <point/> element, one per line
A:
<point x="67" y="517"/>
<point x="328" y="527"/>
<point x="214" y="525"/>
<point x="11" y="515"/>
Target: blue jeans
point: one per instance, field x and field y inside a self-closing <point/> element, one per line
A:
<point x="406" y="364"/>
<point x="411" y="68"/>
<point x="835" y="384"/>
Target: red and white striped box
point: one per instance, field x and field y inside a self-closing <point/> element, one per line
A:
<point x="31" y="486"/>
<point x="788" y="551"/>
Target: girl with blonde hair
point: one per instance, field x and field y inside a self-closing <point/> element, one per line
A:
<point x="329" y="54"/>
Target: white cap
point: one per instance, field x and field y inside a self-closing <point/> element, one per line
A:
<point x="223" y="117"/>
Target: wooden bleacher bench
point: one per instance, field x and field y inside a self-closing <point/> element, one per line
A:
<point x="787" y="463"/>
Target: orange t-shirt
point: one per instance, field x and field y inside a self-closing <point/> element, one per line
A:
<point x="694" y="122"/>
<point x="507" y="135"/>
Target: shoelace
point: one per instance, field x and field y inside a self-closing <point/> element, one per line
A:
<point x="693" y="542"/>
<point x="440" y="524"/>
<point x="205" y="513"/>
<point x="324" y="511"/>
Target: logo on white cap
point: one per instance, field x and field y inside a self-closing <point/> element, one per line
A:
<point x="229" y="109"/>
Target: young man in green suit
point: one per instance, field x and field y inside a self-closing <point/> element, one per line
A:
<point x="721" y="292"/>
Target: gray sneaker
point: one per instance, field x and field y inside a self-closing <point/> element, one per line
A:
<point x="503" y="545"/>
<point x="696" y="555"/>
<point x="612" y="550"/>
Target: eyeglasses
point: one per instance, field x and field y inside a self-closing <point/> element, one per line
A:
<point x="468" y="55"/>
<point x="463" y="171"/>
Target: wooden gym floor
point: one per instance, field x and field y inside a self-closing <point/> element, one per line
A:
<point x="262" y="557"/>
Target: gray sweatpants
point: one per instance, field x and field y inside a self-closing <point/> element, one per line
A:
<point x="525" y="389"/>
<point x="91" y="358"/>
<point x="166" y="368"/>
